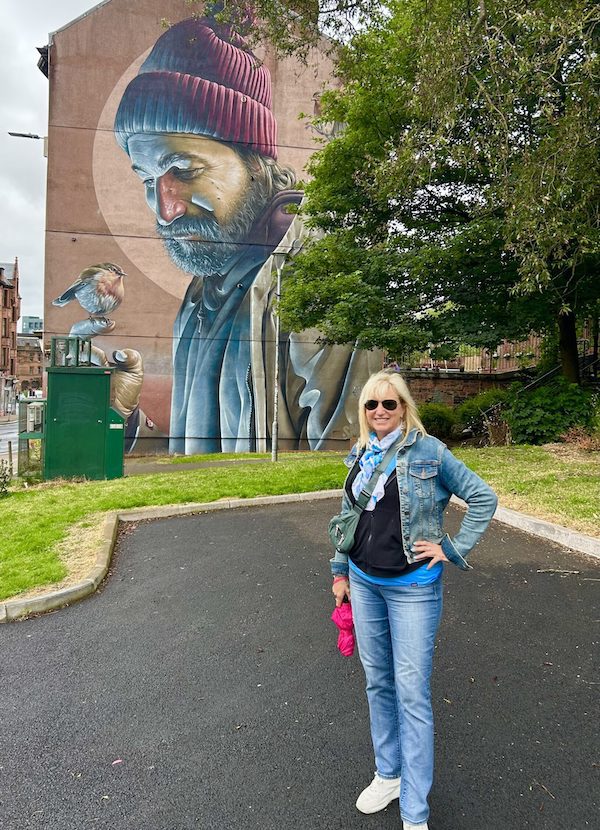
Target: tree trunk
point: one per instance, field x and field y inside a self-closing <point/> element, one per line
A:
<point x="567" y="347"/>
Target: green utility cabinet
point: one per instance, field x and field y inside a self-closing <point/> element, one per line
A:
<point x="84" y="435"/>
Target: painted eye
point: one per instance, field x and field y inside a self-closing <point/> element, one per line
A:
<point x="187" y="174"/>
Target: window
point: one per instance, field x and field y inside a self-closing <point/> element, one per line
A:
<point x="4" y="326"/>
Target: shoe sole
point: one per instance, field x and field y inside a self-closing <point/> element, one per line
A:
<point x="376" y="809"/>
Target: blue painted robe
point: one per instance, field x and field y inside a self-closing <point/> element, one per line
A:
<point x="223" y="359"/>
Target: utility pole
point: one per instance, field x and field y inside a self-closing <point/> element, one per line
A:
<point x="279" y="262"/>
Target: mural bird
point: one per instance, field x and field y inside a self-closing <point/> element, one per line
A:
<point x="99" y="289"/>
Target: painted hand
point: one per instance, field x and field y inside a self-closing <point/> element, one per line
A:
<point x="126" y="381"/>
<point x="429" y="550"/>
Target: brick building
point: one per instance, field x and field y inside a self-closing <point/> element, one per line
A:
<point x="196" y="373"/>
<point x="10" y="311"/>
<point x="30" y="362"/>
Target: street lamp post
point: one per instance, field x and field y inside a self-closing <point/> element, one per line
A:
<point x="43" y="138"/>
<point x="279" y="262"/>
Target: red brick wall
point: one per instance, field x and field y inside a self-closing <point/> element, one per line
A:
<point x="453" y="387"/>
<point x="10" y="311"/>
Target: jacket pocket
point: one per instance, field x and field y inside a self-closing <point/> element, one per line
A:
<point x="422" y="477"/>
<point x="423" y="469"/>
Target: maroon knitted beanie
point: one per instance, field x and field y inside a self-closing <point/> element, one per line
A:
<point x="201" y="79"/>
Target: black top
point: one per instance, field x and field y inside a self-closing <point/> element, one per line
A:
<point x="377" y="549"/>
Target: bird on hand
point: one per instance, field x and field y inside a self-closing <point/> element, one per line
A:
<point x="99" y="290"/>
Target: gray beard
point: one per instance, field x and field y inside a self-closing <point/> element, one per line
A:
<point x="218" y="243"/>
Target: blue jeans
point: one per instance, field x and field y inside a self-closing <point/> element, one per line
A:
<point x="395" y="629"/>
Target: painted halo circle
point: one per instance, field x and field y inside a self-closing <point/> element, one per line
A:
<point x="121" y="199"/>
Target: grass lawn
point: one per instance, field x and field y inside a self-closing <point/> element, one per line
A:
<point x="35" y="522"/>
<point x="555" y="482"/>
<point x="224" y="456"/>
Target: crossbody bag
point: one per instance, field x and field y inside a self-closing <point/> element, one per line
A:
<point x="343" y="526"/>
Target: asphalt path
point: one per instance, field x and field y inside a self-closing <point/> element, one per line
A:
<point x="201" y="688"/>
<point x="9" y="432"/>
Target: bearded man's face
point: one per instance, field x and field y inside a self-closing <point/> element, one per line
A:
<point x="203" y="196"/>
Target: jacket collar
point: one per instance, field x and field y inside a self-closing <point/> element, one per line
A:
<point x="410" y="439"/>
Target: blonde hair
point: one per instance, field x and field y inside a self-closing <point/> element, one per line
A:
<point x="376" y="387"/>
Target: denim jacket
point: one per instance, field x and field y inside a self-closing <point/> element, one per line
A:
<point x="428" y="474"/>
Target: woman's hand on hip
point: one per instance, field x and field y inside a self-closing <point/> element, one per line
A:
<point x="340" y="589"/>
<point x="429" y="550"/>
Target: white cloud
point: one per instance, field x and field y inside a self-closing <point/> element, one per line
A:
<point x="24" y="108"/>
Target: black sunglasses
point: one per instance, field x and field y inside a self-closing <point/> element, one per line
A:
<point x="390" y="405"/>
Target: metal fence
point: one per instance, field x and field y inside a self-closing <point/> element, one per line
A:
<point x="508" y="356"/>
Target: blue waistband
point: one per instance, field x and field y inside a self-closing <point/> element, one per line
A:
<point x="420" y="576"/>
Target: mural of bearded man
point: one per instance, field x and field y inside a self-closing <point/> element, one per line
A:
<point x="198" y="126"/>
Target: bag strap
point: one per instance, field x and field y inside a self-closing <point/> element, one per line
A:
<point x="365" y="494"/>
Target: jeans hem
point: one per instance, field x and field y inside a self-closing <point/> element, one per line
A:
<point x="414" y="820"/>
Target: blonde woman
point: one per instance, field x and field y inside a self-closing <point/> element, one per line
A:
<point x="394" y="574"/>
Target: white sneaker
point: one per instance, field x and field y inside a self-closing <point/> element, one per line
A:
<point x="406" y="825"/>
<point x="378" y="794"/>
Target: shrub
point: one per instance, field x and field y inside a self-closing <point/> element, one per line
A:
<point x="496" y="428"/>
<point x="542" y="415"/>
<point x="582" y="438"/>
<point x="438" y="419"/>
<point x="470" y="413"/>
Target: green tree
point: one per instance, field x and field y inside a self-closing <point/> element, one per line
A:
<point x="460" y="201"/>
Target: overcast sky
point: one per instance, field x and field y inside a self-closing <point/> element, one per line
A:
<point x="24" y="108"/>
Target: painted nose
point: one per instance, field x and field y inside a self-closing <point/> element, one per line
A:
<point x="170" y="206"/>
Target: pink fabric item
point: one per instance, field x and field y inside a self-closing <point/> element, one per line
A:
<point x="342" y="617"/>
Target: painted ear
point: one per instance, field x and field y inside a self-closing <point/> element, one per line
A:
<point x="253" y="165"/>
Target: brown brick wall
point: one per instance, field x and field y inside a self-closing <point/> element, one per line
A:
<point x="30" y="365"/>
<point x="10" y="310"/>
<point x="453" y="387"/>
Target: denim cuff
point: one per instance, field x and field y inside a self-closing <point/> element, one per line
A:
<point x="338" y="568"/>
<point x="453" y="555"/>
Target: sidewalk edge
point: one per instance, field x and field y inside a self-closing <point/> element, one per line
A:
<point x="12" y="610"/>
<point x="572" y="539"/>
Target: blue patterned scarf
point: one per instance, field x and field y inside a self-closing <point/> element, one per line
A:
<point x="368" y="461"/>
